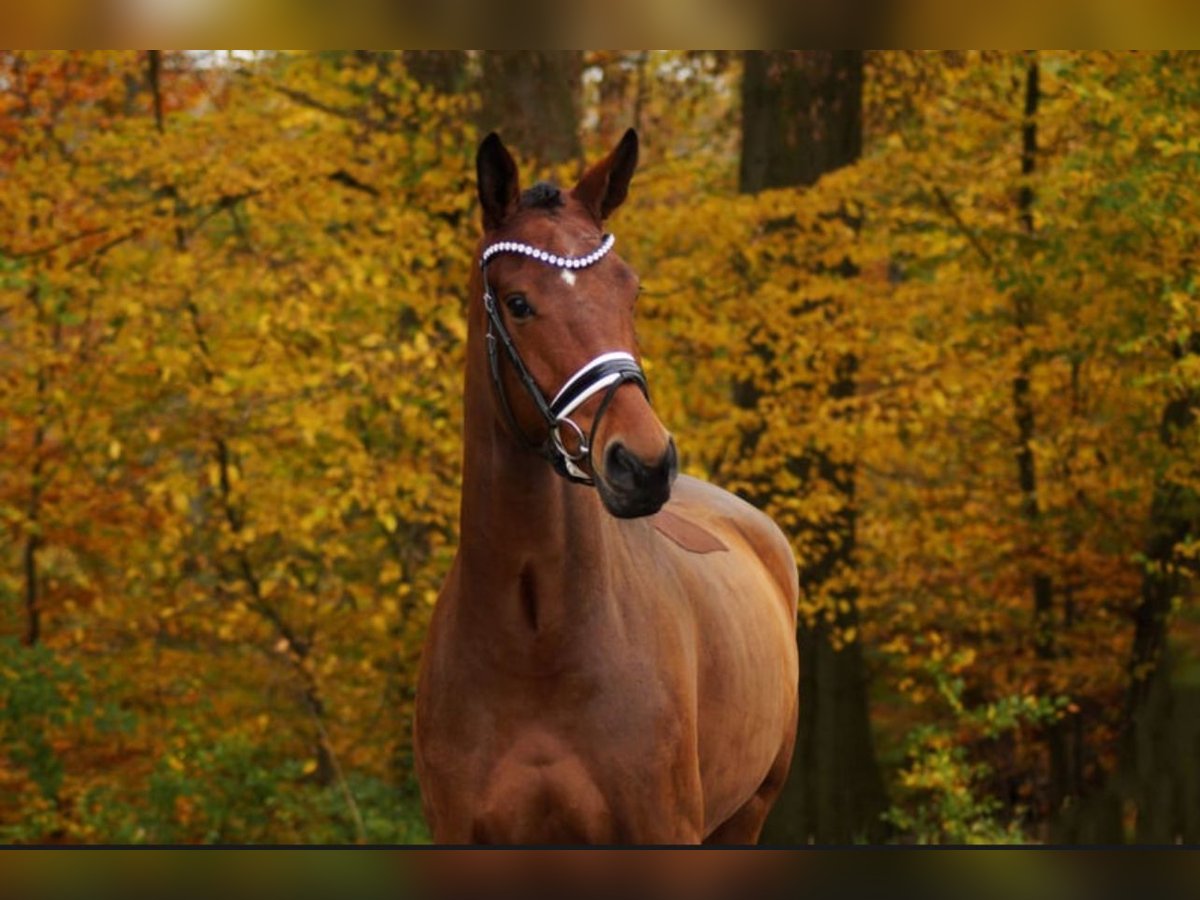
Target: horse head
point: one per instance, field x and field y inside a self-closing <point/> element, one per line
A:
<point x="566" y="374"/>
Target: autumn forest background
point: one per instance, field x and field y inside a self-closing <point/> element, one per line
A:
<point x="937" y="313"/>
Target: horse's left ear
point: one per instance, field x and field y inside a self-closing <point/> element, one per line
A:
<point x="496" y="178"/>
<point x="603" y="187"/>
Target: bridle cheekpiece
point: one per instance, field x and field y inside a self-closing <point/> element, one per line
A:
<point x="606" y="372"/>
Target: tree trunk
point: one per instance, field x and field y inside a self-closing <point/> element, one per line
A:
<point x="801" y="118"/>
<point x="1174" y="514"/>
<point x="1159" y="736"/>
<point x="1061" y="784"/>
<point x="445" y="71"/>
<point x="33" y="511"/>
<point x="835" y="792"/>
<point x="1154" y="794"/>
<point x="532" y="98"/>
<point x="33" y="540"/>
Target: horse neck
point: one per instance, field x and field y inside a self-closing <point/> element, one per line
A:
<point x="525" y="532"/>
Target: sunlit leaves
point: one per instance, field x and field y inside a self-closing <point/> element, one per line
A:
<point x="230" y="378"/>
<point x="234" y="351"/>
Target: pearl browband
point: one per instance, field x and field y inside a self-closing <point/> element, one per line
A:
<point x="606" y="372"/>
<point x="562" y="262"/>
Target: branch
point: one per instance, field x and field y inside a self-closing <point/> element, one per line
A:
<point x="970" y="235"/>
<point x="342" y="177"/>
<point x="305" y="99"/>
<point x="50" y="248"/>
<point x="93" y="255"/>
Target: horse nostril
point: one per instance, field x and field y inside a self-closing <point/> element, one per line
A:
<point x="625" y="471"/>
<point x="622" y="468"/>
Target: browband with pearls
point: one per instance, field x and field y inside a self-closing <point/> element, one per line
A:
<point x="562" y="262"/>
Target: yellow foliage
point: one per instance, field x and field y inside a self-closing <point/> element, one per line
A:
<point x="231" y="353"/>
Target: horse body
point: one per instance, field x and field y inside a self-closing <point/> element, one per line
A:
<point x="587" y="679"/>
<point x="625" y="697"/>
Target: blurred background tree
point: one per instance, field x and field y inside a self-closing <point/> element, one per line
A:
<point x="936" y="313"/>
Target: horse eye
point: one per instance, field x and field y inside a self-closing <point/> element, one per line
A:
<point x="519" y="306"/>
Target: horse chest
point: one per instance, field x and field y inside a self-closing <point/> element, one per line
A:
<point x="558" y="778"/>
<point x="549" y="739"/>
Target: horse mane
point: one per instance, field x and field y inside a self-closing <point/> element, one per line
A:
<point x="542" y="195"/>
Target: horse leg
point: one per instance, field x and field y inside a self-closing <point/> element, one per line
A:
<point x="745" y="825"/>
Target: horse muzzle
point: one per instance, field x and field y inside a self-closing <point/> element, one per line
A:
<point x="630" y="486"/>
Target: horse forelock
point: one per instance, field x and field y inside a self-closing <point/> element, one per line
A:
<point x="542" y="195"/>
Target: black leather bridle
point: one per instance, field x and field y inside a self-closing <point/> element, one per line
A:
<point x="606" y="372"/>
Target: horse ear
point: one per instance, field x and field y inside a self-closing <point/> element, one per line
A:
<point x="497" y="180"/>
<point x="603" y="187"/>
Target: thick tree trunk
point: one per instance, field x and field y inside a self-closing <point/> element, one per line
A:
<point x="801" y="118"/>
<point x="801" y="115"/>
<point x="444" y="71"/>
<point x="1174" y="514"/>
<point x="835" y="791"/>
<point x="1159" y="733"/>
<point x="1154" y="794"/>
<point x="532" y="98"/>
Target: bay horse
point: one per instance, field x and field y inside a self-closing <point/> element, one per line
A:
<point x="612" y="658"/>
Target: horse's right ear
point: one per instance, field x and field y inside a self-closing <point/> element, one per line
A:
<point x="496" y="176"/>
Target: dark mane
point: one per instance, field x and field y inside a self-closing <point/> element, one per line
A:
<point x="542" y="195"/>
